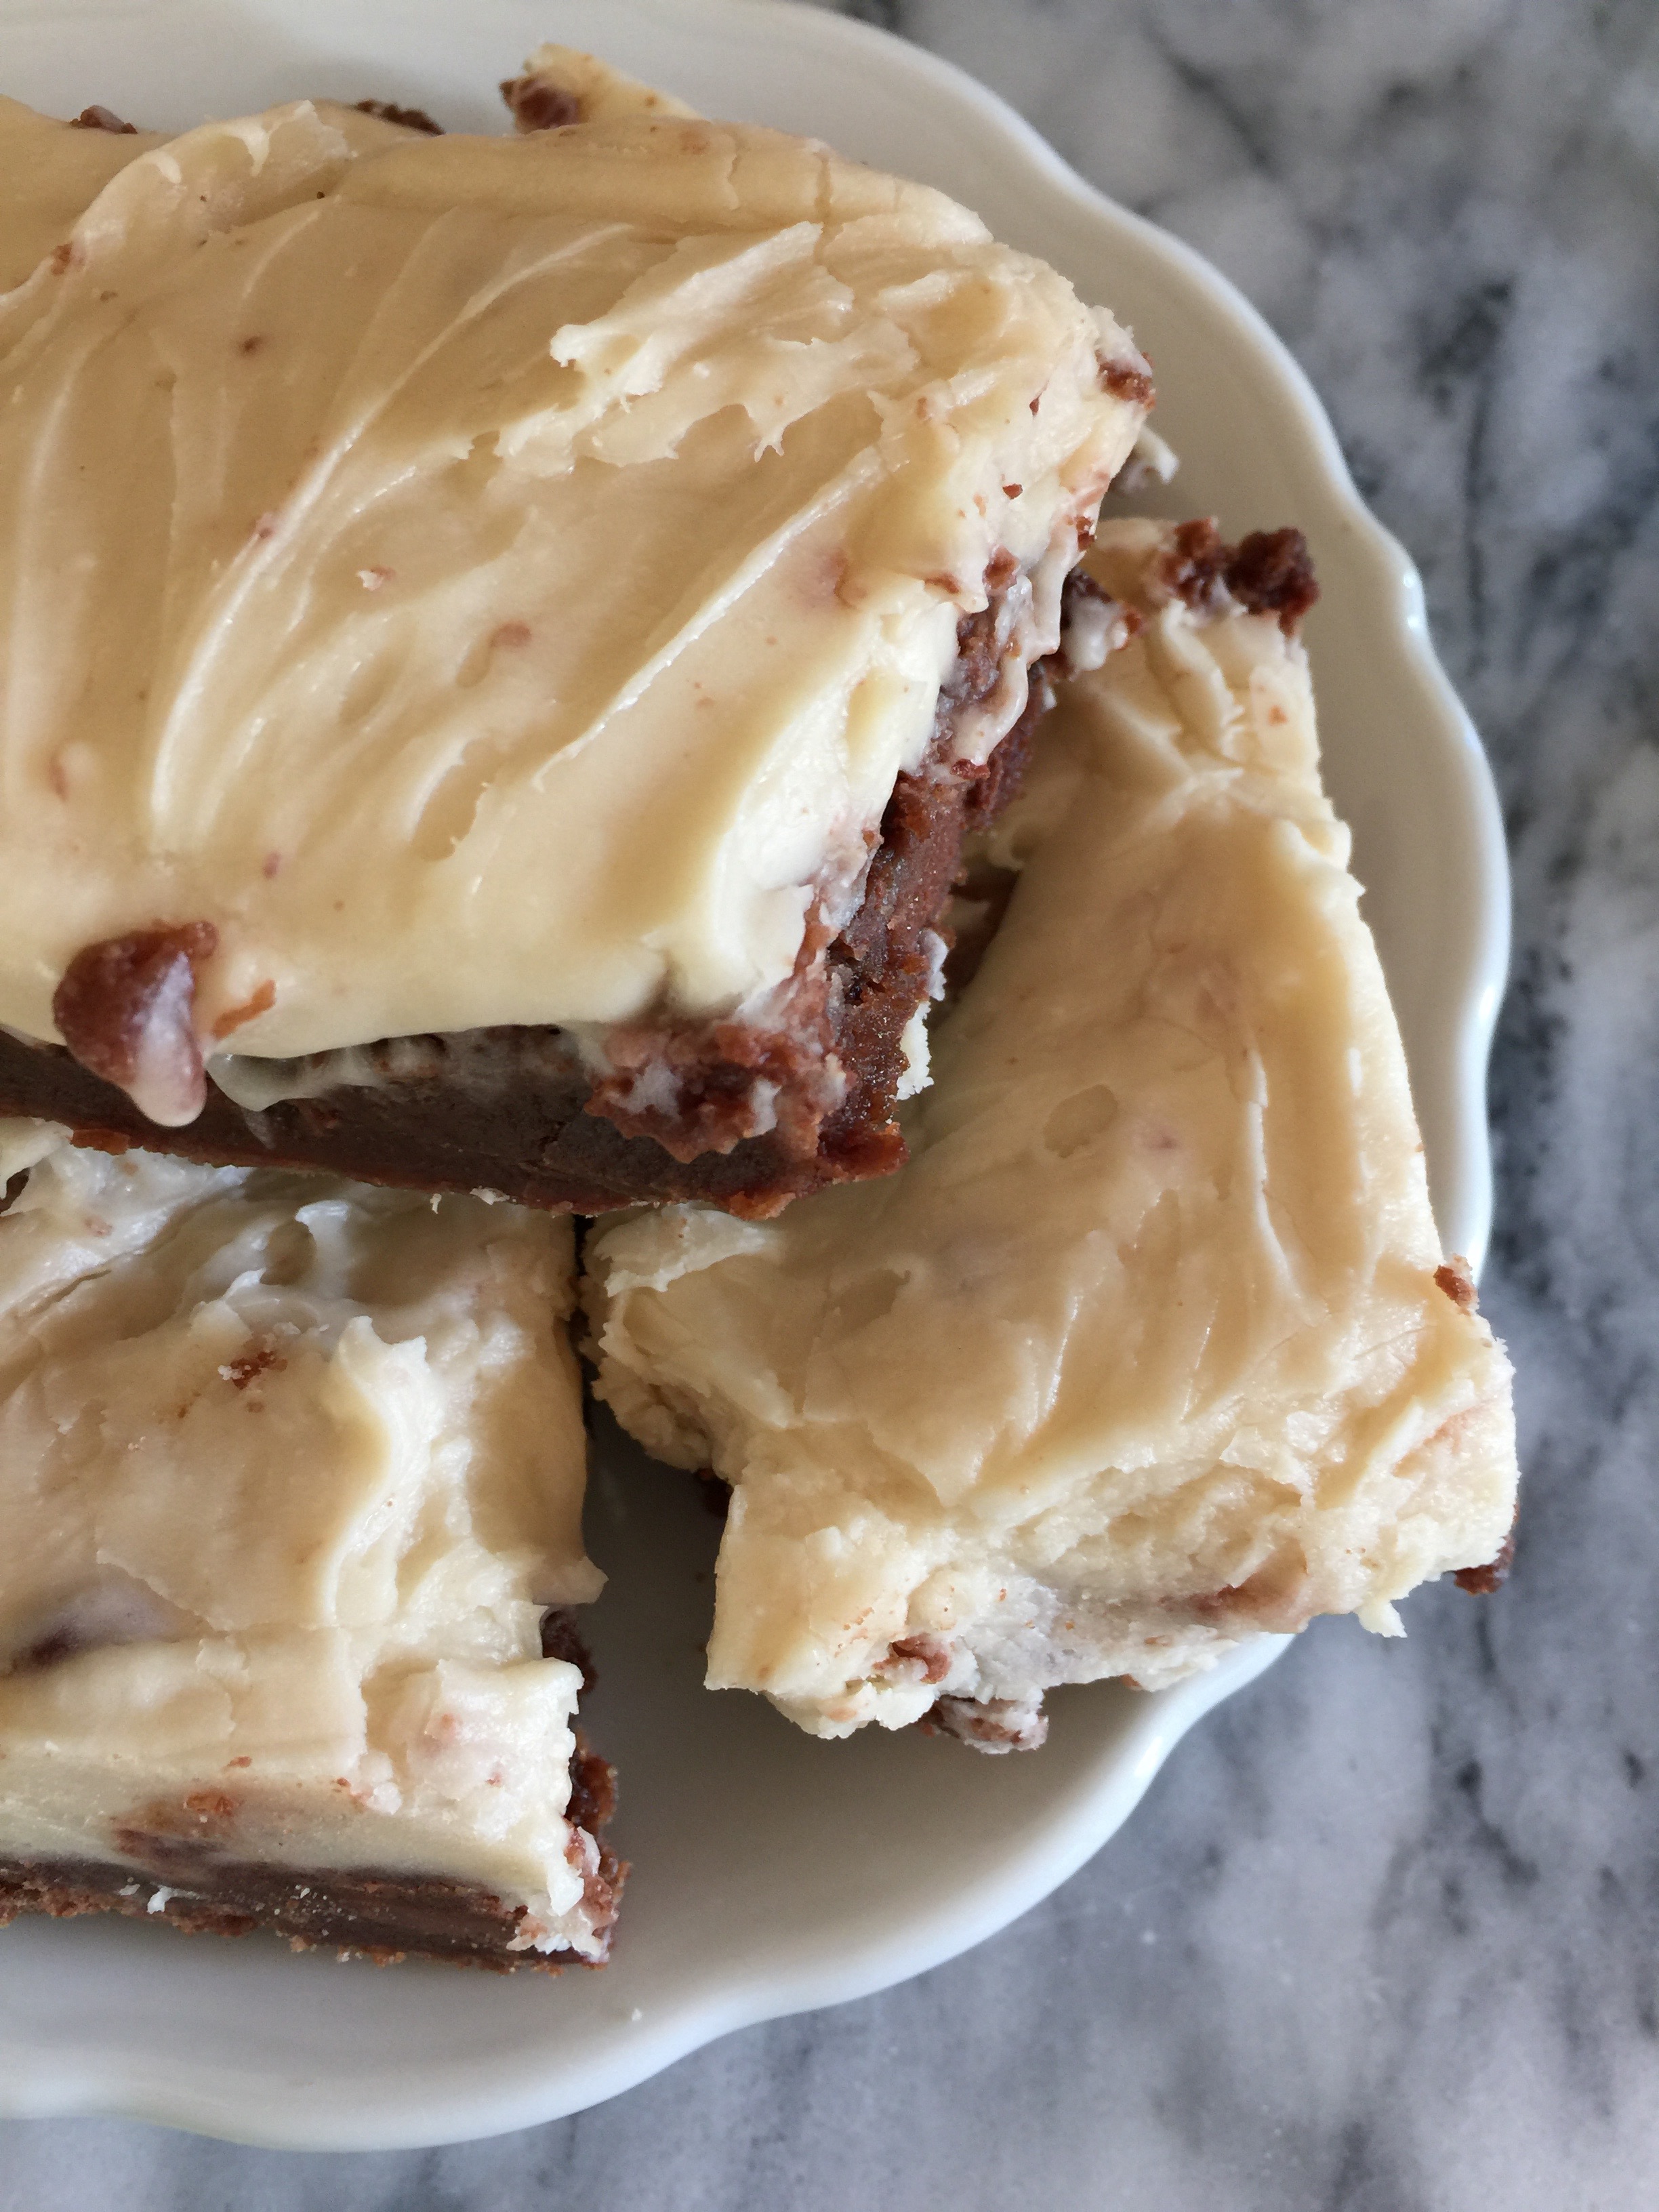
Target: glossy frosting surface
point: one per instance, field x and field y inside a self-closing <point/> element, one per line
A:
<point x="492" y="580"/>
<point x="1163" y="1253"/>
<point x="288" y="1470"/>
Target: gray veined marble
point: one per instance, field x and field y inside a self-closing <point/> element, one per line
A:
<point x="1385" y="1935"/>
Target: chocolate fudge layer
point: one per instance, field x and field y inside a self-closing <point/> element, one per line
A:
<point x="1151" y="1347"/>
<point x="563" y="587"/>
<point x="291" y="1475"/>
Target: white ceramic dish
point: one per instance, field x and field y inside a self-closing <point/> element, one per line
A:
<point x="774" y="1873"/>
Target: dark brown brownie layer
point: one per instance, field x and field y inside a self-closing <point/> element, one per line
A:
<point x="363" y="1912"/>
<point x="515" y="1111"/>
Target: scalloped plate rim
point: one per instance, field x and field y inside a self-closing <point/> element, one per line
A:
<point x="408" y="2113"/>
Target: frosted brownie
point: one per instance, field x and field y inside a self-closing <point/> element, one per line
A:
<point x="291" y="1476"/>
<point x="507" y="636"/>
<point x="1151" y="1347"/>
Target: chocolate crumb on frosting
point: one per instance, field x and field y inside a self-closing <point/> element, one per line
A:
<point x="1270" y="572"/>
<point x="538" y="106"/>
<point x="124" y="1010"/>
<point x="410" y="118"/>
<point x="103" y="118"/>
<point x="1127" y="379"/>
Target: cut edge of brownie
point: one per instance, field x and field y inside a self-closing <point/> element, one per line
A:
<point x="366" y="1912"/>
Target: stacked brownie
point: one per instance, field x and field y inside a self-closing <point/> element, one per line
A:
<point x="527" y="654"/>
<point x="503" y="725"/>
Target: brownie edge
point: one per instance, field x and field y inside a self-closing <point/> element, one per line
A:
<point x="366" y="1912"/>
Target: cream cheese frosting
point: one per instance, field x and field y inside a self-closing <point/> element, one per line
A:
<point x="497" y="581"/>
<point x="289" y="1469"/>
<point x="1151" y="1347"/>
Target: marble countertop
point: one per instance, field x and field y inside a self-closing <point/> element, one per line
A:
<point x="1385" y="1934"/>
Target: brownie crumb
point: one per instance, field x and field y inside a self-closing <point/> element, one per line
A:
<point x="410" y="119"/>
<point x="266" y="1360"/>
<point x="103" y="118"/>
<point x="702" y="1087"/>
<point x="1455" y="1281"/>
<point x="1270" y="572"/>
<point x="538" y="105"/>
<point x="124" y="1010"/>
<point x="1127" y="379"/>
<point x="1192" y="569"/>
<point x="1483" y="1581"/>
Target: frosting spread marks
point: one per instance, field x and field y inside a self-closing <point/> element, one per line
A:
<point x="494" y="581"/>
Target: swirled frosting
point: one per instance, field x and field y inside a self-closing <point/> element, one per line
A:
<point x="494" y="580"/>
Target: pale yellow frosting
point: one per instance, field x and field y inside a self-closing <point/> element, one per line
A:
<point x="291" y="1467"/>
<point x="495" y="580"/>
<point x="1143" y="1351"/>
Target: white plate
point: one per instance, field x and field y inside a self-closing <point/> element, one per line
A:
<point x="774" y="1873"/>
